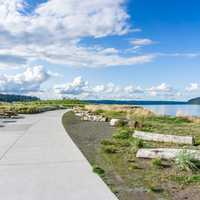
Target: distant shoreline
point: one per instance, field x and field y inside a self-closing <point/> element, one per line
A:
<point x="136" y="102"/>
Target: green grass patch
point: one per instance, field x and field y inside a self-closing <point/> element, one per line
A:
<point x="98" y="170"/>
<point x="186" y="162"/>
<point x="185" y="180"/>
<point x="157" y="162"/>
<point x="123" y="134"/>
<point x="110" y="149"/>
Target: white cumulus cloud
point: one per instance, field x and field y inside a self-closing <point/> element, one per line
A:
<point x="193" y="87"/>
<point x="82" y="89"/>
<point x="28" y="81"/>
<point x="52" y="32"/>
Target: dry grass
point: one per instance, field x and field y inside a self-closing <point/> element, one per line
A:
<point x="129" y="110"/>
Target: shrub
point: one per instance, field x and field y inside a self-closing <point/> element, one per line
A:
<point x="139" y="143"/>
<point x="156" y="162"/>
<point x="98" y="170"/>
<point x="197" y="141"/>
<point x="107" y="142"/>
<point x="110" y="149"/>
<point x="122" y="123"/>
<point x="156" y="189"/>
<point x="185" y="161"/>
<point x="122" y="134"/>
<point x="135" y="144"/>
<point x="186" y="179"/>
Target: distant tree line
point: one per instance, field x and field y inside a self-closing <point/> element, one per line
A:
<point x="15" y="98"/>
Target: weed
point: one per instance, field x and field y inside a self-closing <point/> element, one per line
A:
<point x="186" y="162"/>
<point x="98" y="170"/>
<point x="110" y="149"/>
<point x="122" y="134"/>
<point x="107" y="142"/>
<point x="157" y="162"/>
<point x="184" y="180"/>
<point x="156" y="189"/>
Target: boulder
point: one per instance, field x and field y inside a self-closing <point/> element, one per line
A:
<point x="114" y="122"/>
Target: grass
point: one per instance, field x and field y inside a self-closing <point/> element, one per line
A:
<point x="157" y="162"/>
<point x="171" y="125"/>
<point x="156" y="189"/>
<point x="110" y="149"/>
<point x="185" y="180"/>
<point x="98" y="170"/>
<point x="122" y="134"/>
<point x="128" y="174"/>
<point x="39" y="106"/>
<point x="186" y="162"/>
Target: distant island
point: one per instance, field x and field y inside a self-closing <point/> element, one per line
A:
<point x="194" y="101"/>
<point x="14" y="98"/>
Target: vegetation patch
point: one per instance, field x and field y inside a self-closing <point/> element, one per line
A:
<point x="114" y="151"/>
<point x="157" y="162"/>
<point x="98" y="170"/>
<point x="185" y="161"/>
<point x="122" y="134"/>
<point x="39" y="106"/>
<point x="185" y="180"/>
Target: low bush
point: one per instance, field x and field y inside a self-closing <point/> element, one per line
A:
<point x="107" y="142"/>
<point x="98" y="170"/>
<point x="110" y="149"/>
<point x="122" y="134"/>
<point x="185" y="161"/>
<point x="156" y="189"/>
<point x="156" y="162"/>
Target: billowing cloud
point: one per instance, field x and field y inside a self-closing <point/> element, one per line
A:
<point x="193" y="87"/>
<point x="28" y="81"/>
<point x="163" y="90"/>
<point x="82" y="89"/>
<point x="76" y="87"/>
<point x="52" y="32"/>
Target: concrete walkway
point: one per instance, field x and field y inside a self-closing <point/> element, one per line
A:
<point x="39" y="161"/>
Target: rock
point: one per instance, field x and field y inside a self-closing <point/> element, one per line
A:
<point x="134" y="124"/>
<point x="164" y="138"/>
<point x="114" y="122"/>
<point x="79" y="114"/>
<point x="88" y="116"/>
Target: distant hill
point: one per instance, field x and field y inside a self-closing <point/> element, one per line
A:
<point x="194" y="101"/>
<point x="14" y="98"/>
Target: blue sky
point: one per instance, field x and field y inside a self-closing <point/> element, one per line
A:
<point x="122" y="49"/>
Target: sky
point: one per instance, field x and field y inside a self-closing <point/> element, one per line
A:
<point x="100" y="49"/>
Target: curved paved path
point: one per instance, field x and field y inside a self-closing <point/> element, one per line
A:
<point x="39" y="161"/>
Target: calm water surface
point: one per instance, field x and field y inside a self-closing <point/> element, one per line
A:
<point x="175" y="110"/>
